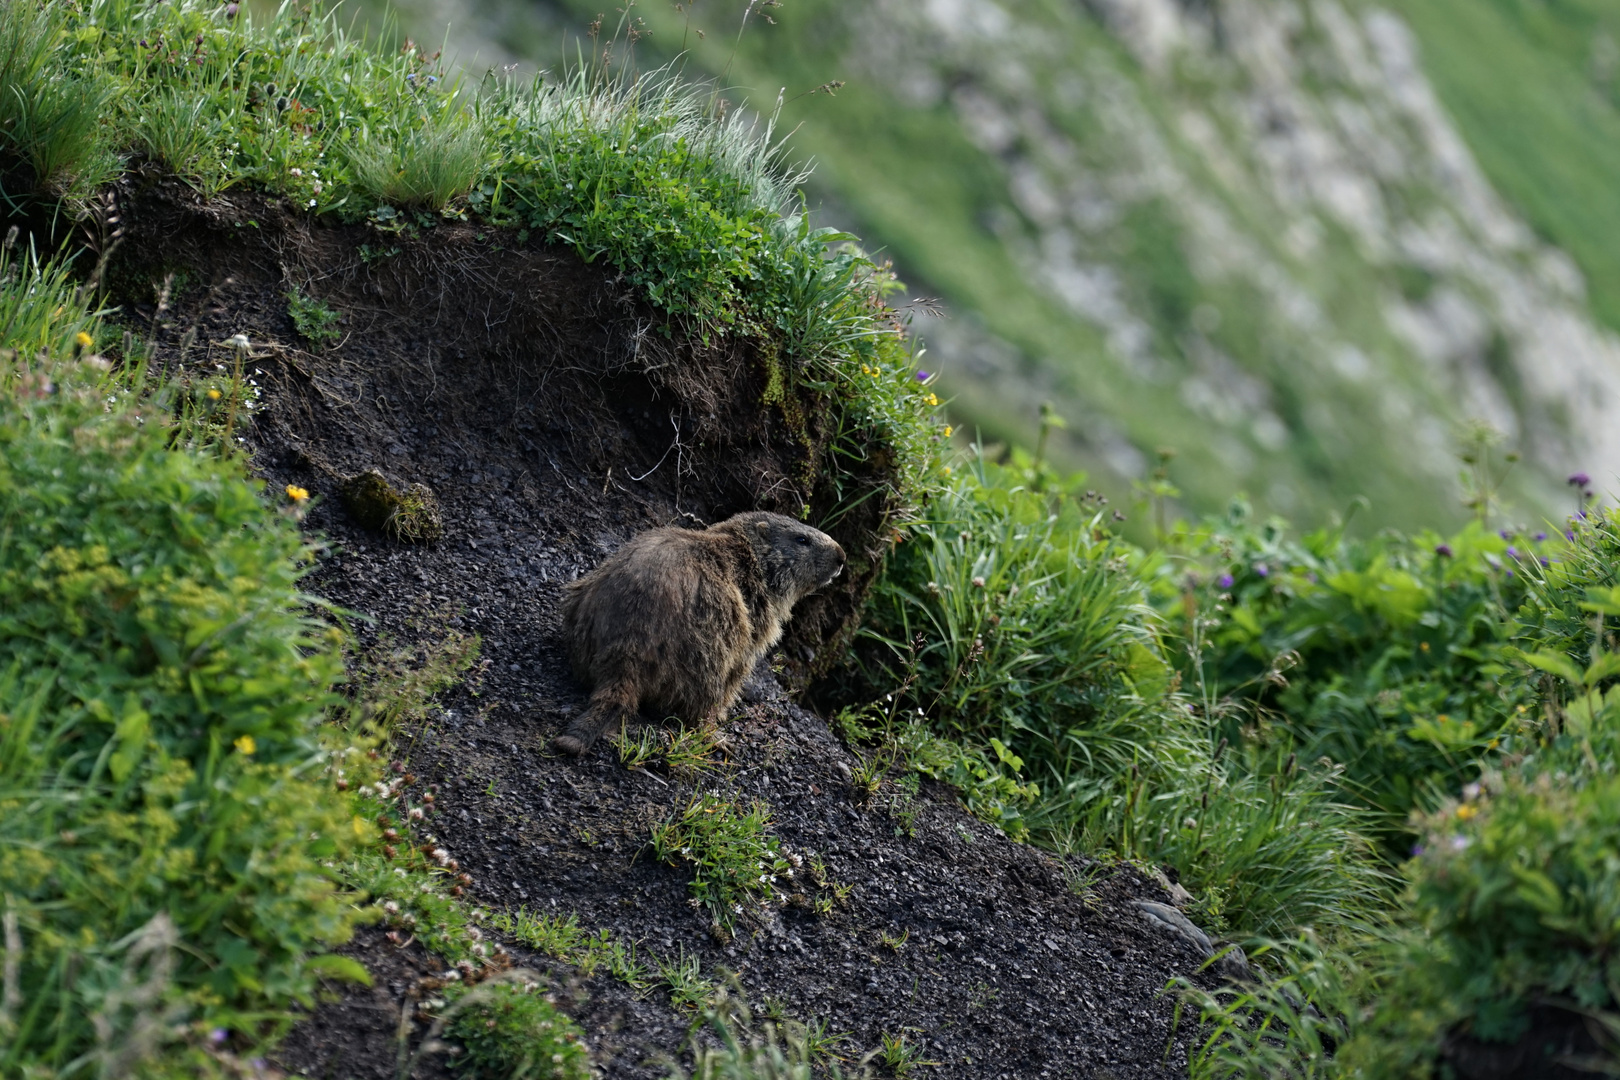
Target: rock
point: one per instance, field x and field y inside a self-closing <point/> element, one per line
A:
<point x="1167" y="918"/>
<point x="1232" y="963"/>
<point x="411" y="517"/>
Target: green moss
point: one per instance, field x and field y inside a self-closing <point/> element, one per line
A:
<point x="410" y="516"/>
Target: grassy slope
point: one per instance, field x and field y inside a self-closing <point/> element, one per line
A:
<point x="913" y="183"/>
<point x="1526" y="84"/>
<point x="939" y="205"/>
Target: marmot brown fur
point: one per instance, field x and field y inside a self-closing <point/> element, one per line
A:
<point x="677" y="618"/>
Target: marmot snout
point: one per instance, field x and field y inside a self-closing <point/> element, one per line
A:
<point x="677" y="618"/>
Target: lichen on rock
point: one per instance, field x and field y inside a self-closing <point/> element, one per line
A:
<point x="411" y="516"/>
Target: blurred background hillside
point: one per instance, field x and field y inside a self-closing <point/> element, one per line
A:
<point x="1303" y="242"/>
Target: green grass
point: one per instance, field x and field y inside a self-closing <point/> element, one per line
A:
<point x="907" y="171"/>
<point x="735" y="862"/>
<point x="1532" y="93"/>
<point x="171" y="811"/>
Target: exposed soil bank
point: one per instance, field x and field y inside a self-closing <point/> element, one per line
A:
<point x="553" y="417"/>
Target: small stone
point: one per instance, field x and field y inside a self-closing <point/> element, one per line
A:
<point x="411" y="517"/>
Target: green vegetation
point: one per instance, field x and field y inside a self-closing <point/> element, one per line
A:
<point x="1385" y="766"/>
<point x="510" y="1030"/>
<point x="1535" y="89"/>
<point x="313" y="319"/>
<point x="169" y="812"/>
<point x="735" y="861"/>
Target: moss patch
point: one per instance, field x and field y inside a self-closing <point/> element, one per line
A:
<point x="411" y="516"/>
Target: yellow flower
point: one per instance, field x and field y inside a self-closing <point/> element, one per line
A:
<point x="83" y="340"/>
<point x="933" y="399"/>
<point x="947" y="470"/>
<point x="245" y="744"/>
<point x="213" y="395"/>
<point x="948" y="430"/>
<point x="1493" y="744"/>
<point x="1466" y="812"/>
<point x="296" y="493"/>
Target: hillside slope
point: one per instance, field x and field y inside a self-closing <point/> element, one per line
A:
<point x="1252" y="232"/>
<point x="525" y="405"/>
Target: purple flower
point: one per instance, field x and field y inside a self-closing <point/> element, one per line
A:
<point x="1507" y="573"/>
<point x="1224" y="581"/>
<point x="231" y="10"/>
<point x="1546" y="561"/>
<point x="1443" y="550"/>
<point x="923" y="376"/>
<point x="1569" y="534"/>
<point x="1505" y="534"/>
<point x="1541" y="536"/>
<point x="1262" y="569"/>
<point x="1579" y="480"/>
<point x="1417" y="849"/>
<point x="218" y="1035"/>
<point x="1512" y="552"/>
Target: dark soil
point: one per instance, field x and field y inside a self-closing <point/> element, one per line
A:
<point x="1560" y="1045"/>
<point x="529" y="390"/>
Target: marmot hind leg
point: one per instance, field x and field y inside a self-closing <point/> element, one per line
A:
<point x="610" y="707"/>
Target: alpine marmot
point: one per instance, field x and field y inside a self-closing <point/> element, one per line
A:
<point x="677" y="618"/>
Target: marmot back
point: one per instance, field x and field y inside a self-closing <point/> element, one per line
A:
<point x="677" y="618"/>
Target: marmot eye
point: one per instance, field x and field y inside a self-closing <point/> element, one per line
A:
<point x="805" y="540"/>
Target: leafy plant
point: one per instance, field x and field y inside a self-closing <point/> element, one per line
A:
<point x="164" y="691"/>
<point x="314" y="320"/>
<point x="511" y="1030"/>
<point x="735" y="862"/>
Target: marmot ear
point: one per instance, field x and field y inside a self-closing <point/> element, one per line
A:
<point x="764" y="527"/>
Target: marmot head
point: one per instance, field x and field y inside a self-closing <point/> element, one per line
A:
<point x="797" y="559"/>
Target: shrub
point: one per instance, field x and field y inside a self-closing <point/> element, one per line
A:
<point x="1019" y="629"/>
<point x="1387" y="656"/>
<point x="161" y="767"/>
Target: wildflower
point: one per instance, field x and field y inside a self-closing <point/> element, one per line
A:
<point x="239" y="341"/>
<point x="1224" y="581"/>
<point x="1262" y="569"/>
<point x="1471" y="791"/>
<point x="296" y="493"/>
<point x="218" y="1036"/>
<point x="1541" y="536"/>
<point x="1578" y="480"/>
<point x="923" y="376"/>
<point x="1443" y="550"/>
<point x="1417" y="849"/>
<point x="246" y="744"/>
<point x="1459" y="843"/>
<point x="978" y="583"/>
<point x="213" y="395"/>
<point x="1467" y="813"/>
<point x="1546" y="561"/>
<point x="1512" y="552"/>
<point x="1505" y="534"/>
<point x="83" y="340"/>
<point x="933" y="399"/>
<point x="948" y="430"/>
<point x="1493" y="744"/>
<point x="231" y="10"/>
